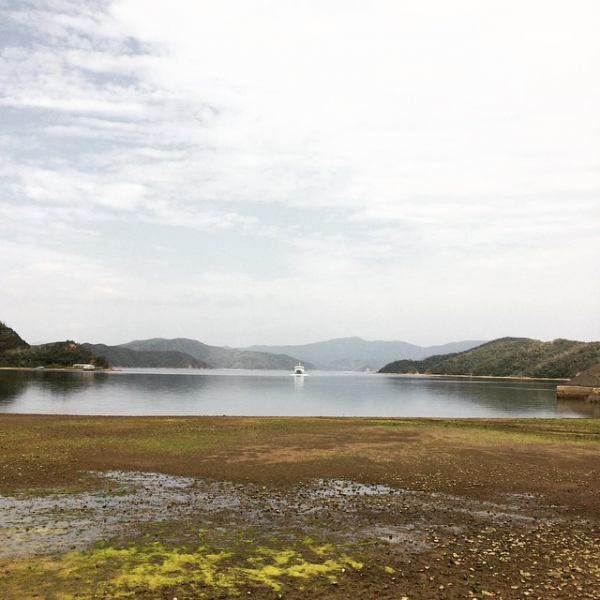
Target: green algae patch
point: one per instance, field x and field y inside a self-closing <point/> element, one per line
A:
<point x="154" y="568"/>
<point x="271" y="567"/>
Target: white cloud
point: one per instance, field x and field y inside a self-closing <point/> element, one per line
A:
<point x="362" y="148"/>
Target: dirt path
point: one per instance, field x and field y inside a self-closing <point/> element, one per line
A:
<point x="298" y="508"/>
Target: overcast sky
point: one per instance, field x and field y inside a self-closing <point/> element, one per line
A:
<point x="284" y="172"/>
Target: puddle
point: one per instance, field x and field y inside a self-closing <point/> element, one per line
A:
<point x="338" y="487"/>
<point x="63" y="522"/>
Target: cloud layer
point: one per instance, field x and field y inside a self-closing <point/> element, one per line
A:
<point x="284" y="172"/>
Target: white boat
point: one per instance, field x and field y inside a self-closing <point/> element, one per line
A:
<point x="299" y="369"/>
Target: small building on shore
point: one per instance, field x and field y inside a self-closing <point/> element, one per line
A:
<point x="84" y="367"/>
<point x="585" y="386"/>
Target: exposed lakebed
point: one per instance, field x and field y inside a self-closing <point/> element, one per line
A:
<point x="61" y="522"/>
<point x="205" y="508"/>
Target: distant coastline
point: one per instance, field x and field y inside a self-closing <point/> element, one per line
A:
<point x="429" y="375"/>
<point x="511" y="377"/>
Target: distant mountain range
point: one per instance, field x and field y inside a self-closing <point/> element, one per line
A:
<point x="516" y="357"/>
<point x="351" y="353"/>
<point x="186" y="353"/>
<point x="356" y="354"/>
<point x="509" y="357"/>
<point x="340" y="354"/>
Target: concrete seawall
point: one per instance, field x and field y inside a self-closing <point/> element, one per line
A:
<point x="580" y="392"/>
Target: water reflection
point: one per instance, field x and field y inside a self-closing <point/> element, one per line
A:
<point x="45" y="384"/>
<point x="276" y="393"/>
<point x="67" y="383"/>
<point x="580" y="407"/>
<point x="506" y="397"/>
<point x="12" y="384"/>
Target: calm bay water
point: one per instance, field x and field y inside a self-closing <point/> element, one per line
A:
<point x="276" y="393"/>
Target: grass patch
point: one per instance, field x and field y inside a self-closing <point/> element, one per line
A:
<point x="38" y="452"/>
<point x="577" y="430"/>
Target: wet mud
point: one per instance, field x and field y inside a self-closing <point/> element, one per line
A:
<point x="62" y="522"/>
<point x="324" y="509"/>
<point x="396" y="537"/>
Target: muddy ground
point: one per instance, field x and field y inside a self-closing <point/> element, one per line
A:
<point x="163" y="508"/>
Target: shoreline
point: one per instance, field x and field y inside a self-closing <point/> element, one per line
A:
<point x="432" y="375"/>
<point x="298" y="507"/>
<point x="479" y="376"/>
<point x="40" y="369"/>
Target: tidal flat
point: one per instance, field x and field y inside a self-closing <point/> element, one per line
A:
<point x="226" y="507"/>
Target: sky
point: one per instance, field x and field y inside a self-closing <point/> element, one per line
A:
<point x="285" y="172"/>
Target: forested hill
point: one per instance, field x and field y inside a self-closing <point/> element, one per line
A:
<point x="123" y="357"/>
<point x="10" y="340"/>
<point x="509" y="357"/>
<point x="15" y="352"/>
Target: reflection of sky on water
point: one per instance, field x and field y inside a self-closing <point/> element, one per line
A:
<point x="276" y="393"/>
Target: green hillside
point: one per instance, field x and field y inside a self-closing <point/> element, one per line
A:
<point x="10" y="340"/>
<point x="124" y="357"/>
<point x="15" y="352"/>
<point x="509" y="357"/>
